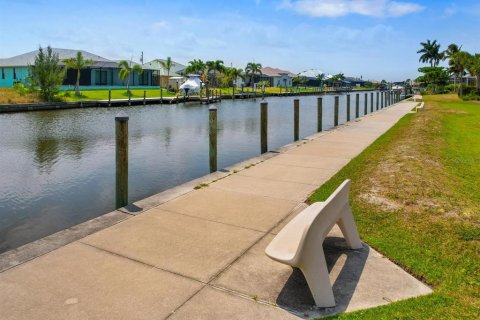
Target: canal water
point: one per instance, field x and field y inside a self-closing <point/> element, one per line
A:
<point x="57" y="168"/>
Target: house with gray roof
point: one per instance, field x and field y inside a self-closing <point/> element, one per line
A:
<point x="277" y="77"/>
<point x="104" y="72"/>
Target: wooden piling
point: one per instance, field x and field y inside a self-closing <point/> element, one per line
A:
<point x="382" y="99"/>
<point x="109" y="98"/>
<point x="121" y="160"/>
<point x="264" y="127"/>
<point x="144" y="97"/>
<point x="319" y="114"/>
<point x="377" y="100"/>
<point x="129" y="97"/>
<point x="213" y="138"/>
<point x="371" y="101"/>
<point x="357" y="105"/>
<point x="335" y="113"/>
<point x="348" y="107"/>
<point x="296" y="119"/>
<point x="366" y="103"/>
<point x="161" y="95"/>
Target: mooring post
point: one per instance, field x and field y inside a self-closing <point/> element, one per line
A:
<point x="296" y="119"/>
<point x="371" y="101"/>
<point x="144" y="97"/>
<point x="377" y="101"/>
<point x="366" y="104"/>
<point x="357" y="105"/>
<point x="263" y="127"/>
<point x="319" y="114"/>
<point x="129" y="97"/>
<point x="382" y="98"/>
<point x="109" y="98"/>
<point x="335" y="116"/>
<point x="121" y="160"/>
<point x="213" y="138"/>
<point x="348" y="107"/>
<point x="161" y="95"/>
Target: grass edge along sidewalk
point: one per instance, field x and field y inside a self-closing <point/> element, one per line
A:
<point x="414" y="200"/>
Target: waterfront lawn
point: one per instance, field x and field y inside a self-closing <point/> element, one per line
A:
<point x="415" y="197"/>
<point x="116" y="94"/>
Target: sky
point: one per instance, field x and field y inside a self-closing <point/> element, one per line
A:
<point x="372" y="39"/>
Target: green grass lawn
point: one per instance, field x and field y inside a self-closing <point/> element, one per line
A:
<point x="416" y="199"/>
<point x="116" y="94"/>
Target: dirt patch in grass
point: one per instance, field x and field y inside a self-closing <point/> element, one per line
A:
<point x="11" y="96"/>
<point x="410" y="175"/>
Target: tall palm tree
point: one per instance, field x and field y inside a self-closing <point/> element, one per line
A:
<point x="452" y="49"/>
<point x="217" y="66"/>
<point x="196" y="66"/>
<point x="167" y="65"/>
<point x="473" y="67"/>
<point x="234" y="73"/>
<point x="457" y="64"/>
<point x="321" y="78"/>
<point x="430" y="53"/>
<point x="126" y="70"/>
<point x="252" y="69"/>
<point x="78" y="63"/>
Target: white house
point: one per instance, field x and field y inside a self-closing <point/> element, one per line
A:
<point x="277" y="77"/>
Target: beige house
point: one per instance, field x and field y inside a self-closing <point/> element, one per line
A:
<point x="277" y="77"/>
<point x="161" y="75"/>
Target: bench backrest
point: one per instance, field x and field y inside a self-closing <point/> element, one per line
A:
<point x="334" y="207"/>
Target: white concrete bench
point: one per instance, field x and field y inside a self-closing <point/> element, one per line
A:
<point x="299" y="243"/>
<point x="421" y="106"/>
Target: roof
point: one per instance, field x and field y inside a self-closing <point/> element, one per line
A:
<point x="274" y="72"/>
<point x="156" y="65"/>
<point x="28" y="58"/>
<point x="313" y="73"/>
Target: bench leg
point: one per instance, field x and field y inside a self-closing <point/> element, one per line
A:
<point x="349" y="229"/>
<point x="315" y="270"/>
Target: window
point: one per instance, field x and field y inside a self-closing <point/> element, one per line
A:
<point x="14" y="74"/>
<point x="3" y="73"/>
<point x="143" y="78"/>
<point x="100" y="77"/>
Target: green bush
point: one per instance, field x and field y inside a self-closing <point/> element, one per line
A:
<point x="20" y="88"/>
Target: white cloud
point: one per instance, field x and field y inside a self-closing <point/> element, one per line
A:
<point x="159" y="25"/>
<point x="339" y="8"/>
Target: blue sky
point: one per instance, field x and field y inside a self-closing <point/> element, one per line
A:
<point x="376" y="39"/>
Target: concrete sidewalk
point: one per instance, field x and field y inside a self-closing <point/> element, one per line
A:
<point x="201" y="255"/>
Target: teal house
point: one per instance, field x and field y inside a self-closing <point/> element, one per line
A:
<point x="103" y="73"/>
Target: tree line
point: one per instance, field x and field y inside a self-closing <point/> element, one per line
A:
<point x="460" y="64"/>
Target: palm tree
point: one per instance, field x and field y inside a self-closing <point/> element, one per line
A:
<point x="78" y="63"/>
<point x="196" y="66"/>
<point x="252" y="69"/>
<point x="473" y="67"/>
<point x="451" y="50"/>
<point x="217" y="66"/>
<point x="126" y="69"/>
<point x="321" y="78"/>
<point x="167" y="65"/>
<point x="450" y="53"/>
<point x="233" y="74"/>
<point x="430" y="53"/>
<point x="457" y="64"/>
